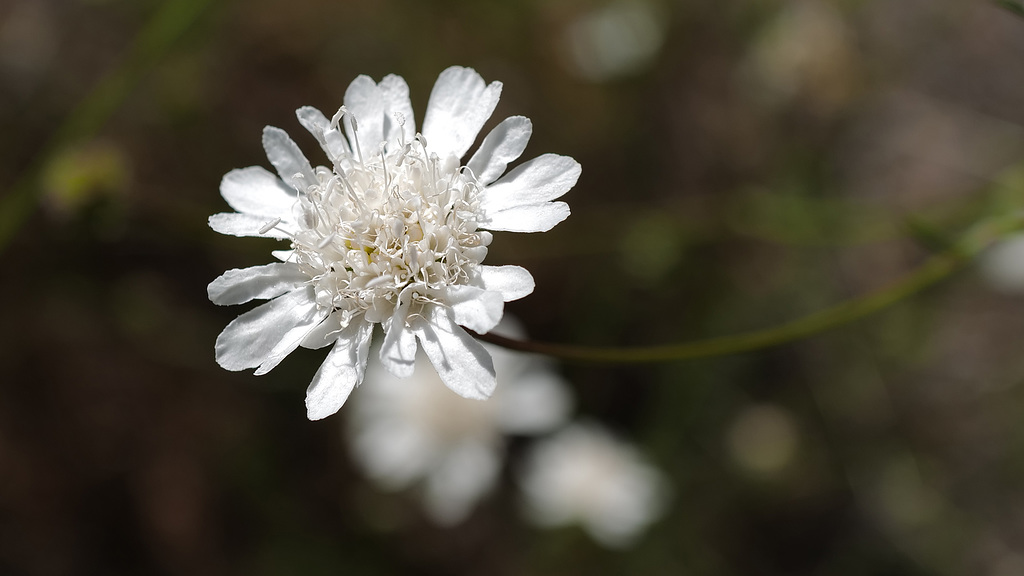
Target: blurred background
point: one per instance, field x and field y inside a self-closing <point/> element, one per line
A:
<point x="744" y="163"/>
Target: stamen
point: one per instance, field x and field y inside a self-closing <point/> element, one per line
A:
<point x="338" y="116"/>
<point x="465" y="169"/>
<point x="400" y="157"/>
<point x="343" y="113"/>
<point x="370" y="227"/>
<point x="355" y="136"/>
<point x="384" y="163"/>
<point x="400" y="120"/>
<point x="327" y="240"/>
<point x="348" y="186"/>
<point x="270" y="225"/>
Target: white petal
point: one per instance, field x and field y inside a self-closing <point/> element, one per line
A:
<point x="325" y="333"/>
<point x="234" y="224"/>
<point x="538" y="180"/>
<point x="514" y="282"/>
<point x="533" y="218"/>
<point x="398" y="352"/>
<point x="462" y="363"/>
<point x="475" y="308"/>
<point x="254" y="190"/>
<point x="249" y="340"/>
<point x="341" y="371"/>
<point x="258" y="282"/>
<point x="459" y="105"/>
<point x="313" y="317"/>
<point x="502" y="145"/>
<point x="365" y="101"/>
<point x="283" y="255"/>
<point x="315" y="122"/>
<point x="331" y="140"/>
<point x="396" y="99"/>
<point x="285" y="155"/>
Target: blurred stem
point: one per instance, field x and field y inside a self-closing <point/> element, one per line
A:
<point x="152" y="42"/>
<point x="934" y="269"/>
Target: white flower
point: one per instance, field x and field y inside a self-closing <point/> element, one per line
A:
<point x="585" y="475"/>
<point x="393" y="231"/>
<point x="1002" y="266"/>
<point x="404" y="431"/>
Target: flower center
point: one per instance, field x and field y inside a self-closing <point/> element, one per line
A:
<point x="378" y="222"/>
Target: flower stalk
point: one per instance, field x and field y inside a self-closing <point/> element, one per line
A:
<point x="934" y="269"/>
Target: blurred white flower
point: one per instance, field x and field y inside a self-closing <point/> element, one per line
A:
<point x="584" y="475"/>
<point x="393" y="231"/>
<point x="614" y="40"/>
<point x="414" y="429"/>
<point x="1002" y="266"/>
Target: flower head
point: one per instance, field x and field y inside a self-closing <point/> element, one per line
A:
<point x="392" y="231"/>
<point x="583" y="474"/>
<point x="415" y="431"/>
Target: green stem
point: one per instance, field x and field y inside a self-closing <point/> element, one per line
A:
<point x="934" y="269"/>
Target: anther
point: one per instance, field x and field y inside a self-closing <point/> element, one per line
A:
<point x="338" y="115"/>
<point x="355" y="137"/>
<point x="270" y="225"/>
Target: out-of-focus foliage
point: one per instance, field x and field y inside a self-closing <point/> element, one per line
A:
<point x="743" y="163"/>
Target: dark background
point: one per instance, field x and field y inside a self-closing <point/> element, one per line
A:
<point x="744" y="163"/>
